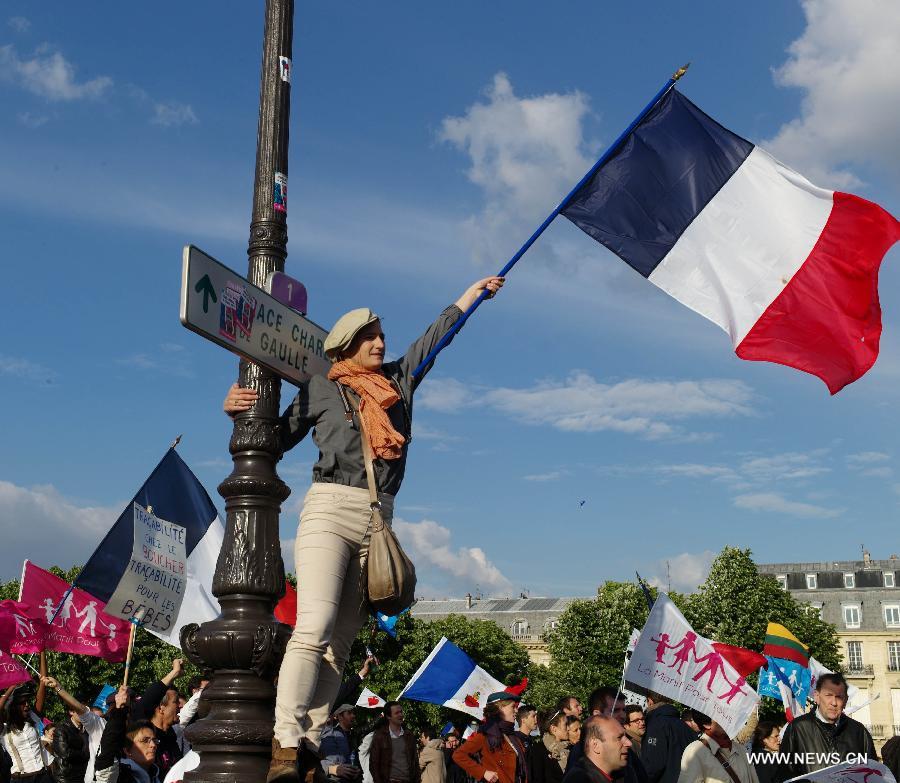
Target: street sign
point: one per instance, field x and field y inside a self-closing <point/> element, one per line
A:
<point x="224" y="307"/>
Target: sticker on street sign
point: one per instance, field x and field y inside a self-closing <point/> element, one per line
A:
<point x="288" y="291"/>
<point x="225" y="308"/>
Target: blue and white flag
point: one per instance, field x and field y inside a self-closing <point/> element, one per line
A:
<point x="795" y="676"/>
<point x="451" y="678"/>
<point x="156" y="563"/>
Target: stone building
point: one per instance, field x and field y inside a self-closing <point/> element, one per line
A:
<point x="524" y="619"/>
<point x="861" y="598"/>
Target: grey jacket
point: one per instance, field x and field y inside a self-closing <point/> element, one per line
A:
<point x="318" y="407"/>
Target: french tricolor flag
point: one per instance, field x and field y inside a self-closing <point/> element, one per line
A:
<point x="789" y="270"/>
<point x="452" y="679"/>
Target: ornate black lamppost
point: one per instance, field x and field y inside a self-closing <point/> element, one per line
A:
<point x="245" y="645"/>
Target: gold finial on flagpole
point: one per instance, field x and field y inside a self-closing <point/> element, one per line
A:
<point x="680" y="72"/>
<point x="177" y="441"/>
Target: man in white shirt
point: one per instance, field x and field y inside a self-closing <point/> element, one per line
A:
<point x="714" y="758"/>
<point x="84" y="720"/>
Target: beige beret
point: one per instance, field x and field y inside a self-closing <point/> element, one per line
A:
<point x="346" y="328"/>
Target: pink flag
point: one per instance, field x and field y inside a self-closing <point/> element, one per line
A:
<point x="11" y="671"/>
<point x="29" y="633"/>
<point x="80" y="626"/>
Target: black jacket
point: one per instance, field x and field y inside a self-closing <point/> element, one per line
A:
<point x="542" y="767"/>
<point x="635" y="767"/>
<point x="585" y="771"/>
<point x="664" y="742"/>
<point x="808" y="734"/>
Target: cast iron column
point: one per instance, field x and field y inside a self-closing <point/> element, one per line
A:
<point x="245" y="645"/>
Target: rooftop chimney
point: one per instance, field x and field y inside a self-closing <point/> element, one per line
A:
<point x="468" y="600"/>
<point x="867" y="558"/>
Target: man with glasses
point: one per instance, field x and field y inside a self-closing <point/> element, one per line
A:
<point x="635" y="726"/>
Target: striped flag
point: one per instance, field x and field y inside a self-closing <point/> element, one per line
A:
<point x="789" y="270"/>
<point x="781" y="643"/>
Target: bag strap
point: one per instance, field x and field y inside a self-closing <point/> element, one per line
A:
<point x="374" y="502"/>
<point x="720" y="757"/>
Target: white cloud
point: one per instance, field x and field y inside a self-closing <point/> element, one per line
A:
<point x="173" y="114"/>
<point x="865" y="458"/>
<point x="553" y="475"/>
<point x="524" y="154"/>
<point x="639" y="407"/>
<point x="49" y="75"/>
<point x="684" y="572"/>
<point x="25" y="369"/>
<point x="40" y="524"/>
<point x="883" y="472"/>
<point x="780" y="467"/>
<point x="446" y="395"/>
<point x="30" y="120"/>
<point x="459" y="569"/>
<point x="171" y="359"/>
<point x="19" y="23"/>
<point x="847" y="62"/>
<point x="693" y="470"/>
<point x="776" y="503"/>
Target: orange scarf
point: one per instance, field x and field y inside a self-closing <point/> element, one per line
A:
<point x="376" y="395"/>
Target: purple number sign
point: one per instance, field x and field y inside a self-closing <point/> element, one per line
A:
<point x="288" y="291"/>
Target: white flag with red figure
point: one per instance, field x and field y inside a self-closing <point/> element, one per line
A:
<point x="672" y="660"/>
<point x="369" y="700"/>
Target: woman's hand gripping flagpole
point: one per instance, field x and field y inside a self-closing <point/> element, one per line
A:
<point x="486" y="294"/>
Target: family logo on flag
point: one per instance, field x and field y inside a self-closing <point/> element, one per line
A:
<point x="73" y="621"/>
<point x="452" y="679"/>
<point x="156" y="563"/>
<point x="673" y="660"/>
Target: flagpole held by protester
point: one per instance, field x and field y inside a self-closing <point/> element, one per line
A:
<point x="131" y="635"/>
<point x="445" y="340"/>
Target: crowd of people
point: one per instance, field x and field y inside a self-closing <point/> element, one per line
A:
<point x="141" y="739"/>
<point x="131" y="738"/>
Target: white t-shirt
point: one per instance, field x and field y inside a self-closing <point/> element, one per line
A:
<point x="24" y="747"/>
<point x="93" y="724"/>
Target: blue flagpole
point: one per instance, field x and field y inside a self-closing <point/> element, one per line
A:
<point x="442" y="343"/>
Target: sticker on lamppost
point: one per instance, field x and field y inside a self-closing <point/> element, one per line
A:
<point x="225" y="308"/>
<point x="151" y="590"/>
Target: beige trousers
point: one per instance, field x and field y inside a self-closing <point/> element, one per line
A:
<point x="329" y="551"/>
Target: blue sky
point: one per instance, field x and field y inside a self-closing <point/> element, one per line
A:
<point x="427" y="141"/>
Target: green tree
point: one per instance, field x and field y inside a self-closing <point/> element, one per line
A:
<point x="84" y="675"/>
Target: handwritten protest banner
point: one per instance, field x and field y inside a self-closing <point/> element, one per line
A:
<point x="152" y="587"/>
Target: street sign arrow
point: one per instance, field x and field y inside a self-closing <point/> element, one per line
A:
<point x="248" y="321"/>
<point x="205" y="287"/>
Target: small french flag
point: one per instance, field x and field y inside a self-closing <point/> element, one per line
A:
<point x="451" y="678"/>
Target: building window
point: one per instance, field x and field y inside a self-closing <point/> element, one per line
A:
<point x="849" y="581"/>
<point x="819" y="607"/>
<point x="894" y="656"/>
<point x="888" y="578"/>
<point x="520" y="628"/>
<point x="782" y="581"/>
<point x="851" y="617"/>
<point x="551" y="624"/>
<point x="854" y="656"/>
<point x="811" y="582"/>
<point x="892" y="616"/>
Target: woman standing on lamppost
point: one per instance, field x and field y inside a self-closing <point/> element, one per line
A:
<point x="332" y="540"/>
